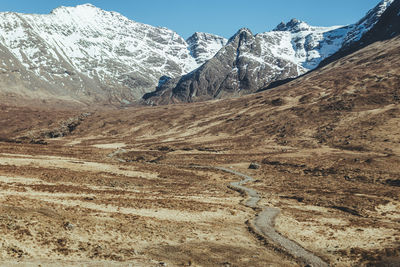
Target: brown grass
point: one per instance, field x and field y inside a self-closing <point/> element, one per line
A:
<point x="328" y="146"/>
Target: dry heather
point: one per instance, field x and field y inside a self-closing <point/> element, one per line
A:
<point x="119" y="186"/>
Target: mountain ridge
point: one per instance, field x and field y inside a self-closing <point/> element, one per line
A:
<point x="387" y="27"/>
<point x="86" y="55"/>
<point x="290" y="50"/>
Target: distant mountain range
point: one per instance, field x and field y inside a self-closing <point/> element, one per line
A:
<point x="90" y="56"/>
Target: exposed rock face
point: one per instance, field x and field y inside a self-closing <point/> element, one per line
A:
<point x="87" y="54"/>
<point x="240" y="67"/>
<point x="204" y="46"/>
<point x="248" y="63"/>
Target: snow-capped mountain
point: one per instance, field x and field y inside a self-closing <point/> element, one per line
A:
<point x="89" y="55"/>
<point x="204" y="46"/>
<point x="242" y="65"/>
<point x="303" y="44"/>
<point x="248" y="62"/>
<point x="308" y="45"/>
<point x="84" y="50"/>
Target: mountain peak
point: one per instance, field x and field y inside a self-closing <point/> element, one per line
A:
<point x="87" y="5"/>
<point x="85" y="49"/>
<point x="245" y="30"/>
<point x="294" y="25"/>
<point x="202" y="35"/>
<point x="242" y="32"/>
<point x="293" y="21"/>
<point x="204" y="46"/>
<point x="205" y="37"/>
<point x="84" y="8"/>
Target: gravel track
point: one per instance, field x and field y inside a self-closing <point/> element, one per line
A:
<point x="265" y="221"/>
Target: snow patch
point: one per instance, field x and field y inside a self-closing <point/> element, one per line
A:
<point x="204" y="46"/>
<point x="303" y="44"/>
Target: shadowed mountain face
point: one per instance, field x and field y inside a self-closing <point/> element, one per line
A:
<point x="387" y="27"/>
<point x="237" y="69"/>
<point x="251" y="62"/>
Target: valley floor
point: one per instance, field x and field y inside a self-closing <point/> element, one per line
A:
<point x="97" y="202"/>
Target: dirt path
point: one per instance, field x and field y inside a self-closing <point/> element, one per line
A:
<point x="265" y="221"/>
<point x="254" y="197"/>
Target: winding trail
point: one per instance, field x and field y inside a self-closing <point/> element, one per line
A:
<point x="265" y="221"/>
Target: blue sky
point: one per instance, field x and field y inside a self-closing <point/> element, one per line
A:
<point x="222" y="17"/>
